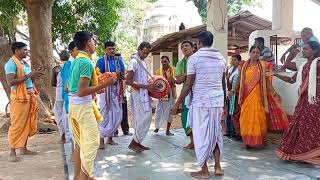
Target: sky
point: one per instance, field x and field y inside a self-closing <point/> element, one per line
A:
<point x="304" y="14"/>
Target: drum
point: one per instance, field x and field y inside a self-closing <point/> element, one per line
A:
<point x="162" y="87"/>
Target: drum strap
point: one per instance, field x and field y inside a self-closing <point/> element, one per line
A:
<point x="145" y="69"/>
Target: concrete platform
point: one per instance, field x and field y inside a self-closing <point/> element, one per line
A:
<point x="167" y="160"/>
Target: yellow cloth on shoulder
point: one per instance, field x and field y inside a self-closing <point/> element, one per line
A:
<point x="169" y="74"/>
<point x="21" y="89"/>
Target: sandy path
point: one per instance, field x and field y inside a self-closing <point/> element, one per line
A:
<point x="48" y="164"/>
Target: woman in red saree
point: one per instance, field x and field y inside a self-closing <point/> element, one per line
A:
<point x="259" y="102"/>
<point x="301" y="142"/>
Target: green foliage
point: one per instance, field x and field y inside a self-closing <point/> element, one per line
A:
<point x="100" y="17"/>
<point x="202" y="8"/>
<point x="10" y="10"/>
<point x="235" y="6"/>
<point x="68" y="16"/>
<point x="129" y="29"/>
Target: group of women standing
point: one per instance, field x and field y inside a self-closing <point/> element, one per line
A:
<point x="254" y="107"/>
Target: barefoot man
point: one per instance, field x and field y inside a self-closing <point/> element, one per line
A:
<point x="187" y="48"/>
<point x="205" y="79"/>
<point x="23" y="100"/>
<point x="137" y="78"/>
<point x="111" y="98"/>
<point x="56" y="81"/>
<point x="82" y="85"/>
<point x="165" y="104"/>
<point x="73" y="50"/>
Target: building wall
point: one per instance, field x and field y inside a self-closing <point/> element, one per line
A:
<point x="165" y="16"/>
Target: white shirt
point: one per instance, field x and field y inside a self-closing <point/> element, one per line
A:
<point x="209" y="66"/>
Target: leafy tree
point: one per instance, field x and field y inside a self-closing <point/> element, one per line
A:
<point x="99" y="16"/>
<point x="55" y="21"/>
<point x="234" y="6"/>
<point x="129" y="28"/>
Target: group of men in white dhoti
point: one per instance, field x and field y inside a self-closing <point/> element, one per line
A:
<point x="203" y="77"/>
<point x="59" y="79"/>
<point x="204" y="87"/>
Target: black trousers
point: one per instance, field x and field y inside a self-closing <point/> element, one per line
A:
<point x="124" y="122"/>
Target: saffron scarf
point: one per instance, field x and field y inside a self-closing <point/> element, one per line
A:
<point x="169" y="74"/>
<point x="21" y="89"/>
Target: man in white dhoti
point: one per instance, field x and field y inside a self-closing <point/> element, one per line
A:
<point x="56" y="81"/>
<point x="73" y="51"/>
<point x="165" y="104"/>
<point x="137" y="78"/>
<point x="206" y="83"/>
<point x="112" y="96"/>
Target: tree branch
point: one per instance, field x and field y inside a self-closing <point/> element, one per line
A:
<point x="22" y="34"/>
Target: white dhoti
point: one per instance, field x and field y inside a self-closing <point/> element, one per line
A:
<point x="141" y="117"/>
<point x="112" y="114"/>
<point x="67" y="126"/>
<point x="163" y="112"/>
<point x="207" y="133"/>
<point x="58" y="116"/>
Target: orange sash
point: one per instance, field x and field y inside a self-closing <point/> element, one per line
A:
<point x="21" y="89"/>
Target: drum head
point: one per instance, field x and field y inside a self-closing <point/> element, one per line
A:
<point x="162" y="87"/>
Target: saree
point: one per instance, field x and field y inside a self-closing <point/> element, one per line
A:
<point x="301" y="141"/>
<point x="256" y="91"/>
<point x="234" y="108"/>
<point x="253" y="102"/>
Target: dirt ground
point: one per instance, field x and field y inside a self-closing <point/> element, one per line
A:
<point x="48" y="164"/>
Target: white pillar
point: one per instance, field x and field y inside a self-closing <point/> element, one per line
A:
<point x="155" y="63"/>
<point x="282" y="15"/>
<point x="180" y="53"/>
<point x="218" y="24"/>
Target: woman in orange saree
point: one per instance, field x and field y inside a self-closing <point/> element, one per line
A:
<point x="255" y="94"/>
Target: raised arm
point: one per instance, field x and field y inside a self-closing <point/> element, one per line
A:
<point x="288" y="79"/>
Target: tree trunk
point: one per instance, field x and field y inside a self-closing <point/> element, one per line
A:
<point x="39" y="22"/>
<point x="5" y="54"/>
